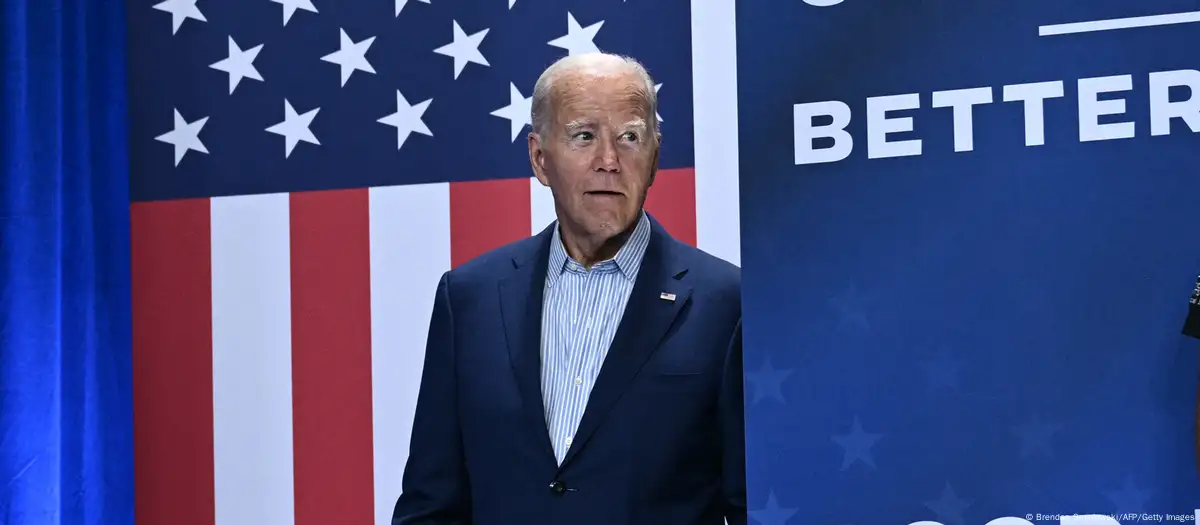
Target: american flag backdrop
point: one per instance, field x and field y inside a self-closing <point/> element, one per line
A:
<point x="305" y="170"/>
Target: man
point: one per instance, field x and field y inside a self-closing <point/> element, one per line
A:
<point x="590" y="374"/>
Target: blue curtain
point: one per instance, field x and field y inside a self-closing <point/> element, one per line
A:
<point x="66" y="443"/>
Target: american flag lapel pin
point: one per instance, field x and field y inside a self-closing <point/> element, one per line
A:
<point x="666" y="296"/>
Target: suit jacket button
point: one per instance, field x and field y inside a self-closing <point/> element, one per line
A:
<point x="557" y="487"/>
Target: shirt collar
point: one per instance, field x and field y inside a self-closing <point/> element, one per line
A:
<point x="627" y="261"/>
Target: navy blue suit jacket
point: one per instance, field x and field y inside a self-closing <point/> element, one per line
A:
<point x="662" y="438"/>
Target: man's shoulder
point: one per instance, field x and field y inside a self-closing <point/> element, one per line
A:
<point x="496" y="263"/>
<point x="716" y="287"/>
<point x="709" y="270"/>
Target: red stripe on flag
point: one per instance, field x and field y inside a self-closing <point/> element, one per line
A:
<point x="331" y="357"/>
<point x="487" y="214"/>
<point x="172" y="361"/>
<point x="672" y="200"/>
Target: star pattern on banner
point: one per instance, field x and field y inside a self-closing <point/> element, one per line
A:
<point x="464" y="49"/>
<point x="239" y="64"/>
<point x="981" y="372"/>
<point x="856" y="445"/>
<point x="180" y="10"/>
<point x="851" y="309"/>
<point x="942" y="370"/>
<point x="295" y="127"/>
<point x="185" y="136"/>
<point x="1036" y="437"/>
<point x="767" y="382"/>
<point x="407" y="119"/>
<point x="401" y="3"/>
<point x="772" y="513"/>
<point x="518" y="111"/>
<point x="949" y="507"/>
<point x="579" y="39"/>
<point x="291" y="6"/>
<point x="1129" y="497"/>
<point x="656" y="115"/>
<point x="351" y="56"/>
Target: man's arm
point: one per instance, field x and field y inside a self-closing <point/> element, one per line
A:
<point x="731" y="411"/>
<point x="435" y="490"/>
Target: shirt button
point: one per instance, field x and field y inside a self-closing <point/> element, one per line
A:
<point x="568" y="442"/>
<point x="579" y="380"/>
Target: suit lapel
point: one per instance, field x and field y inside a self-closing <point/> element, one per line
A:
<point x="647" y="318"/>
<point x="521" y="297"/>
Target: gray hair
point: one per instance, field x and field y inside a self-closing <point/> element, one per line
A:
<point x="542" y="111"/>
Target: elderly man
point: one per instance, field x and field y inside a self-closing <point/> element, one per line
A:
<point x="592" y="373"/>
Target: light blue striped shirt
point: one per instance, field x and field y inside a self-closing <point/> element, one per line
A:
<point x="582" y="309"/>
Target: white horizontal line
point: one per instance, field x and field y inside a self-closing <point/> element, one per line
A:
<point x="1119" y="23"/>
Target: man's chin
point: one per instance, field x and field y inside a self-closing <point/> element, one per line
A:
<point x="609" y="228"/>
<point x="603" y="226"/>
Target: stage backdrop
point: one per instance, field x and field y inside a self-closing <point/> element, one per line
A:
<point x="303" y="173"/>
<point x="969" y="238"/>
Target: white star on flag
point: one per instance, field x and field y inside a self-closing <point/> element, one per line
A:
<point x="407" y="119"/>
<point x="656" y="115"/>
<point x="294" y="127"/>
<point x="578" y="39"/>
<point x="517" y="111"/>
<point x="239" y="64"/>
<point x="290" y="7"/>
<point x="185" y="136"/>
<point x="180" y="10"/>
<point x="401" y="3"/>
<point x="464" y="49"/>
<point x="351" y="56"/>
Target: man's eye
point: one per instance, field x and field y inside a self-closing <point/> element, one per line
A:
<point x="584" y="135"/>
<point x="631" y="136"/>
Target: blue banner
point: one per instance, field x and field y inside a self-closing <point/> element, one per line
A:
<point x="970" y="234"/>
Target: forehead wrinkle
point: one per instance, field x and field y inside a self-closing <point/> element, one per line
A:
<point x="570" y="85"/>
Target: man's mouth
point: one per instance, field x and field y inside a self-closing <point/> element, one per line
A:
<point x="604" y="193"/>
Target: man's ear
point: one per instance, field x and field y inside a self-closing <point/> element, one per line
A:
<point x="537" y="158"/>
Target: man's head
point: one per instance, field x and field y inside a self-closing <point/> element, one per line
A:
<point x="595" y="142"/>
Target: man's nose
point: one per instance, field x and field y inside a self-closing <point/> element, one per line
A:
<point x="606" y="158"/>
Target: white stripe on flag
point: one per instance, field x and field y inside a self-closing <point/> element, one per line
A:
<point x="714" y="87"/>
<point x="541" y="204"/>
<point x="410" y="248"/>
<point x="252" y="361"/>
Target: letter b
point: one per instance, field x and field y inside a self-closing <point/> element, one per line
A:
<point x="805" y="132"/>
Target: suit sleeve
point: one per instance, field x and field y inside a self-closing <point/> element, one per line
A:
<point x="733" y="422"/>
<point x="434" y="488"/>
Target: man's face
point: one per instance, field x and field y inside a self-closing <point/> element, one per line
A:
<point x="600" y="153"/>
